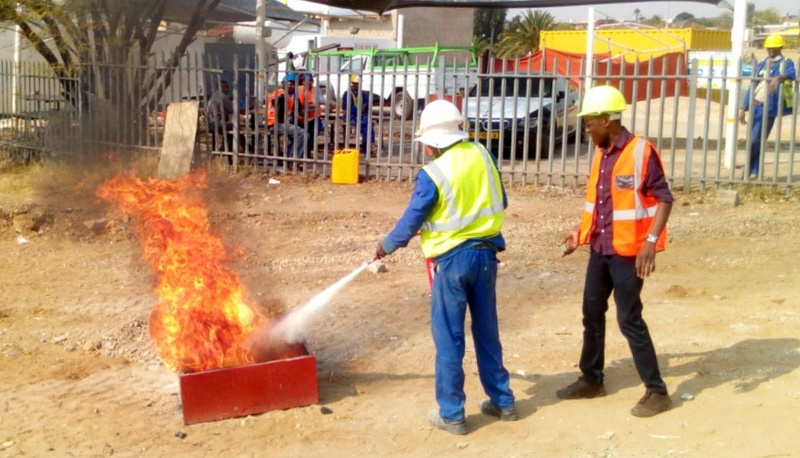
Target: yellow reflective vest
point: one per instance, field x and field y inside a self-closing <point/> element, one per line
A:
<point x="470" y="203"/>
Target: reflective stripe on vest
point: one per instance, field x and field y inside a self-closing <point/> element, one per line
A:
<point x="788" y="98"/>
<point x="630" y="225"/>
<point x="466" y="209"/>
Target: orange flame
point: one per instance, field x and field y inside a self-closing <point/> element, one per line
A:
<point x="202" y="320"/>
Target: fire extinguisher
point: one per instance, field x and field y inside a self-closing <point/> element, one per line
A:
<point x="430" y="267"/>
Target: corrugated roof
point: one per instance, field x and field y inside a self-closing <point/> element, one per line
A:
<point x="380" y="6"/>
<point x="317" y="9"/>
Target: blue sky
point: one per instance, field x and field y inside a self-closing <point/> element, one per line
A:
<point x="624" y="11"/>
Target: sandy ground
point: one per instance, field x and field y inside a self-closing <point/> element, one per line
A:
<point x="81" y="378"/>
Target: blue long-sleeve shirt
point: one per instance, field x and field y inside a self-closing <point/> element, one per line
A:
<point x="356" y="108"/>
<point x="422" y="202"/>
<point x="788" y="71"/>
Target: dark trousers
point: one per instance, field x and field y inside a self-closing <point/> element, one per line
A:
<point x="618" y="274"/>
<point x="311" y="127"/>
<point x="221" y="138"/>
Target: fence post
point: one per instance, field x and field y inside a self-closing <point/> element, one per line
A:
<point x="687" y="172"/>
<point x="236" y="126"/>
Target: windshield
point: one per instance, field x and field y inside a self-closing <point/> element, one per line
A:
<point x="525" y="86"/>
<point x="353" y="65"/>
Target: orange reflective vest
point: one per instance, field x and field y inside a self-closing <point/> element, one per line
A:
<point x="308" y="110"/>
<point x="633" y="211"/>
<point x="272" y="99"/>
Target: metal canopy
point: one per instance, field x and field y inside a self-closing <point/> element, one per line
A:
<point x="381" y="6"/>
<point x="231" y="11"/>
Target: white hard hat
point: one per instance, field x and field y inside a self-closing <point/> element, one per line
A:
<point x="439" y="125"/>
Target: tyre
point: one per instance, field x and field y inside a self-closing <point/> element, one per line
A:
<point x="402" y="105"/>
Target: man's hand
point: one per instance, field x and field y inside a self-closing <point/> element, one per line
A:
<point x="742" y="116"/>
<point x="380" y="253"/>
<point x="646" y="260"/>
<point x="773" y="84"/>
<point x="570" y="242"/>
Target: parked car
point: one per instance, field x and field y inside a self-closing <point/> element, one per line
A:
<point x="516" y="112"/>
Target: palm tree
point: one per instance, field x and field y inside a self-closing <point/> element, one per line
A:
<point x="480" y="45"/>
<point x="636" y="14"/>
<point x="522" y="35"/>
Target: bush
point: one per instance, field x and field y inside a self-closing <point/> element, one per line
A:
<point x="792" y="43"/>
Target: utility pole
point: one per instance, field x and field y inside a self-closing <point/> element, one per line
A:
<point x="261" y="52"/>
<point x="590" y="32"/>
<point x="735" y="66"/>
<point x="15" y="80"/>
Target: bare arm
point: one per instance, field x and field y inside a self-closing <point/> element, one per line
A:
<point x="646" y="259"/>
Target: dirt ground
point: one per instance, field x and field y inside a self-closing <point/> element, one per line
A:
<point x="79" y="376"/>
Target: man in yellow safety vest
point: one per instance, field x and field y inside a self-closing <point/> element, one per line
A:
<point x="771" y="96"/>
<point x="458" y="204"/>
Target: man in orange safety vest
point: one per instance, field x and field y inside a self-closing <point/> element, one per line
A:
<point x="628" y="202"/>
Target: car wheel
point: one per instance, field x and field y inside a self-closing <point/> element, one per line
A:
<point x="402" y="105"/>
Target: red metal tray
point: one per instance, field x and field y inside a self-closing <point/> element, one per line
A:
<point x="255" y="388"/>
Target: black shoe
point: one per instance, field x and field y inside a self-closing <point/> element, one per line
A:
<point x="582" y="389"/>
<point x="507" y="414"/>
<point x="454" y="427"/>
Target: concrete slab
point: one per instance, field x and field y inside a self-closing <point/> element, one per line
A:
<point x="728" y="197"/>
<point x="180" y="130"/>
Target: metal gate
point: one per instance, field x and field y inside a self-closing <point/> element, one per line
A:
<point x="527" y="118"/>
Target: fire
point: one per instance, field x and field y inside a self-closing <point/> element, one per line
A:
<point x="202" y="320"/>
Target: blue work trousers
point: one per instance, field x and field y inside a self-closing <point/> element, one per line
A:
<point x="366" y="131"/>
<point x="755" y="136"/>
<point x="618" y="274"/>
<point x="467" y="279"/>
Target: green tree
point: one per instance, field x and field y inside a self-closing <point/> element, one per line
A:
<point x="655" y="21"/>
<point x="637" y="14"/>
<point x="488" y="21"/>
<point x="751" y="9"/>
<point x="523" y="34"/>
<point x="77" y="37"/>
<point x="724" y="21"/>
<point x="766" y="17"/>
<point x="480" y="45"/>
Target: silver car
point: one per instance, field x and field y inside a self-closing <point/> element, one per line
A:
<point x="517" y="113"/>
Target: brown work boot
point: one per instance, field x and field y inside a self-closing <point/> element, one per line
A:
<point x="582" y="389"/>
<point x="652" y="404"/>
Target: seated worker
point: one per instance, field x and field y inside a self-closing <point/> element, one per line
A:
<point x="218" y="115"/>
<point x="312" y="102"/>
<point x="280" y="111"/>
<point x="356" y="112"/>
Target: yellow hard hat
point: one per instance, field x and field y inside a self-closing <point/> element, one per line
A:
<point x="354" y="78"/>
<point x="603" y="100"/>
<point x="774" y="41"/>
